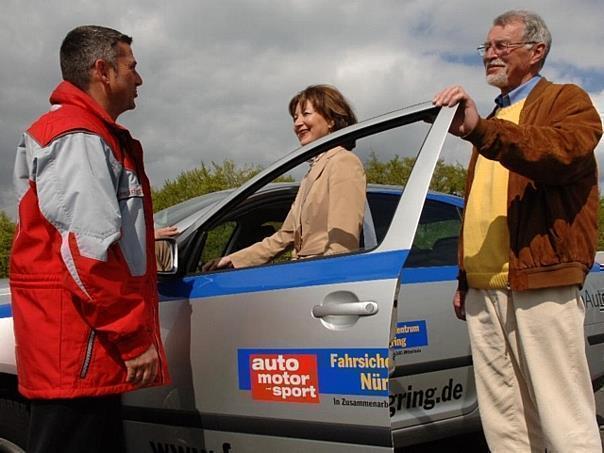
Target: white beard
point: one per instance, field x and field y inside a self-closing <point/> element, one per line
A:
<point x="499" y="80"/>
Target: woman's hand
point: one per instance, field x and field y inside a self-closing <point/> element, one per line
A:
<point x="217" y="263"/>
<point x="166" y="232"/>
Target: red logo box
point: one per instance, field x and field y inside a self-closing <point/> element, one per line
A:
<point x="285" y="378"/>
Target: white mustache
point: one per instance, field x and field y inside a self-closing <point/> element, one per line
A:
<point x="497" y="61"/>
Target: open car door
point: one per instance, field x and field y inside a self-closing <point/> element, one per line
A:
<point x="290" y="356"/>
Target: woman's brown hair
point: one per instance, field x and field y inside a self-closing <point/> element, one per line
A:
<point x="329" y="102"/>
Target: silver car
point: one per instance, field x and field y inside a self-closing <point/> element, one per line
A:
<point x="356" y="352"/>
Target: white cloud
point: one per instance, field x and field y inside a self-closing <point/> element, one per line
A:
<point x="218" y="75"/>
<point x="598" y="100"/>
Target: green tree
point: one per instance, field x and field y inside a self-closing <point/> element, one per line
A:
<point x="205" y="179"/>
<point x="7" y="230"/>
<point x="202" y="180"/>
<point x="396" y="171"/>
<point x="447" y="178"/>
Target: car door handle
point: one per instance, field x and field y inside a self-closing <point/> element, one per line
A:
<point x="367" y="308"/>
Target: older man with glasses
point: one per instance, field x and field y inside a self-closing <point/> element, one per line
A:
<point x="528" y="240"/>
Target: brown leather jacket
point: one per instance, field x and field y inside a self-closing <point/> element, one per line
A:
<point x="553" y="195"/>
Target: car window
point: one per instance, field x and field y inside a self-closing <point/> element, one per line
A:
<point x="257" y="218"/>
<point x="263" y="212"/>
<point x="216" y="241"/>
<point x="437" y="236"/>
<point x="382" y="210"/>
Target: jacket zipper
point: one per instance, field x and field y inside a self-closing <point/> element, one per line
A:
<point x="88" y="357"/>
<point x="158" y="347"/>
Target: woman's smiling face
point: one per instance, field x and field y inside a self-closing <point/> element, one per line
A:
<point x="309" y="125"/>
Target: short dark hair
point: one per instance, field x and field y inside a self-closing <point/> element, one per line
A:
<point x="329" y="102"/>
<point x="83" y="46"/>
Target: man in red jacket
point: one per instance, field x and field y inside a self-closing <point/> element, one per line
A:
<point x="82" y="273"/>
<point x="528" y="240"/>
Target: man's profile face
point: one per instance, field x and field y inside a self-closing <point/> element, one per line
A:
<point x="509" y="69"/>
<point x="123" y="81"/>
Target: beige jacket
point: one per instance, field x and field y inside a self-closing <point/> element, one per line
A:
<point x="326" y="216"/>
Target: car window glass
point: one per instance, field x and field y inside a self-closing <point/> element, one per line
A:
<point x="217" y="240"/>
<point x="437" y="236"/>
<point x="260" y="216"/>
<point x="382" y="210"/>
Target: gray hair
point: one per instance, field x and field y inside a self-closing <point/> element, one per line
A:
<point x="83" y="46"/>
<point x="534" y="28"/>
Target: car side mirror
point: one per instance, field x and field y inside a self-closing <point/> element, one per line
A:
<point x="166" y="256"/>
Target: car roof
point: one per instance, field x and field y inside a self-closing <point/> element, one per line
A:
<point x="178" y="212"/>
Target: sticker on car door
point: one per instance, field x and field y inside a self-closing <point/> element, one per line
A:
<point x="302" y="376"/>
<point x="410" y="337"/>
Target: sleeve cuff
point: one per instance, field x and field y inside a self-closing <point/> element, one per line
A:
<point x="476" y="135"/>
<point x="134" y="345"/>
<point x="462" y="282"/>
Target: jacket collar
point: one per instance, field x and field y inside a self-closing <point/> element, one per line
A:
<point x="325" y="156"/>
<point x="319" y="162"/>
<point x="518" y="93"/>
<point x="535" y="93"/>
<point x="538" y="90"/>
<point x="69" y="94"/>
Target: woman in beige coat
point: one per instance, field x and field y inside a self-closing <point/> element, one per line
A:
<point x="327" y="214"/>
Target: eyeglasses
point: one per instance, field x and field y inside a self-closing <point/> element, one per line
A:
<point x="501" y="47"/>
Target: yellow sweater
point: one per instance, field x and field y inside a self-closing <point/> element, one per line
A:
<point x="486" y="238"/>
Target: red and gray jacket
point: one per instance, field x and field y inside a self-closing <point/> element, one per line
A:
<point x="82" y="271"/>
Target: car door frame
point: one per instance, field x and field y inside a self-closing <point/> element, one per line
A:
<point x="420" y="176"/>
<point x="397" y="241"/>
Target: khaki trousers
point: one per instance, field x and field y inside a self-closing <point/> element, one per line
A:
<point x="532" y="378"/>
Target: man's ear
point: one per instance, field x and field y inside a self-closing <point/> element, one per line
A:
<point x="100" y="71"/>
<point x="538" y="52"/>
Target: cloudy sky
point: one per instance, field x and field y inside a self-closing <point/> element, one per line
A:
<point x="218" y="74"/>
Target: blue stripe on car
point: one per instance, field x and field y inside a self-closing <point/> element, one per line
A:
<point x="349" y="268"/>
<point x="5" y="311"/>
<point x="428" y="274"/>
<point x="308" y="273"/>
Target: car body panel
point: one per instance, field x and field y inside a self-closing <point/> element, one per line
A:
<point x="7" y="340"/>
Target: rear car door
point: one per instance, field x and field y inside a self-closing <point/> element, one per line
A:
<point x="292" y="355"/>
<point x="432" y="388"/>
